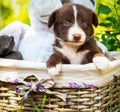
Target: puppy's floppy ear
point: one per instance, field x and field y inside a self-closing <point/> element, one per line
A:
<point x="94" y="19"/>
<point x="51" y="19"/>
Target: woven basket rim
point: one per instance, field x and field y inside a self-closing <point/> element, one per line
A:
<point x="82" y="73"/>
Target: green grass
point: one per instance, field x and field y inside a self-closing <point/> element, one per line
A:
<point x="37" y="109"/>
<point x="119" y="107"/>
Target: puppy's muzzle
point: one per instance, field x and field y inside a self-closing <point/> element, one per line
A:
<point x="76" y="37"/>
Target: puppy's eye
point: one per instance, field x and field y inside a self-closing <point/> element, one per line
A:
<point x="66" y="23"/>
<point x="85" y="24"/>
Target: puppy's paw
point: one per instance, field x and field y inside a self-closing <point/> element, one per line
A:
<point x="101" y="62"/>
<point x="54" y="70"/>
<point x="54" y="64"/>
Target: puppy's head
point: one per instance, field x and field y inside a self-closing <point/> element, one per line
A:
<point x="73" y="23"/>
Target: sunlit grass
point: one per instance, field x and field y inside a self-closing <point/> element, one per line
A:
<point x="37" y="109"/>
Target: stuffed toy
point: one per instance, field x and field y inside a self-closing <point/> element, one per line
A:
<point x="6" y="48"/>
<point x="35" y="41"/>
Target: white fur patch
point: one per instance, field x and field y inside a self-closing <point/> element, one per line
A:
<point x="71" y="53"/>
<point x="75" y="29"/>
<point x="55" y="70"/>
<point x="101" y="62"/>
<point x="86" y="3"/>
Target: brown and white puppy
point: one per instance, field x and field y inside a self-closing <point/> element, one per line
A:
<point x="75" y="43"/>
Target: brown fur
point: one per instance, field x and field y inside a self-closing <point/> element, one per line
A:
<point x="57" y="19"/>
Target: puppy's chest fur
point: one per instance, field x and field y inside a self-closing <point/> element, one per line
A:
<point x="71" y="53"/>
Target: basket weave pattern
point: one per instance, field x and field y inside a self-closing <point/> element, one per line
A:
<point x="104" y="99"/>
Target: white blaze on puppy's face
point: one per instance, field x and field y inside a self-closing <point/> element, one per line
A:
<point x="76" y="30"/>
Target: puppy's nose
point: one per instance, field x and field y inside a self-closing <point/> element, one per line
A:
<point x="76" y="37"/>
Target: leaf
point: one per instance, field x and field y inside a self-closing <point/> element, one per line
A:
<point x="109" y="47"/>
<point x="35" y="107"/>
<point x="104" y="39"/>
<point x="21" y="106"/>
<point x="117" y="27"/>
<point x="118" y="2"/>
<point x="108" y="32"/>
<point x="105" y="24"/>
<point x="43" y="102"/>
<point x="111" y="19"/>
<point x="111" y="41"/>
<point x="42" y="105"/>
<point x="103" y="9"/>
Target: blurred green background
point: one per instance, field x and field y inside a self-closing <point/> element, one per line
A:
<point x="11" y="10"/>
<point x="108" y="12"/>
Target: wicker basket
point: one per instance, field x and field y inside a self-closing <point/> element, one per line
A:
<point x="103" y="97"/>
